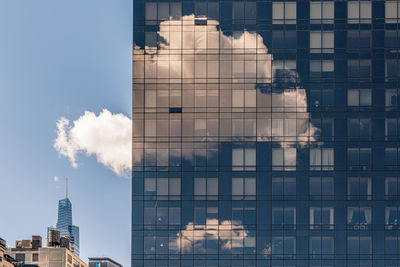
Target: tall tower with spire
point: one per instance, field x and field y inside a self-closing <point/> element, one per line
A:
<point x="64" y="222"/>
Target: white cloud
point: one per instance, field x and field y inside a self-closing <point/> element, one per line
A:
<point x="227" y="231"/>
<point x="56" y="179"/>
<point x="107" y="136"/>
<point x="211" y="47"/>
<point x="62" y="144"/>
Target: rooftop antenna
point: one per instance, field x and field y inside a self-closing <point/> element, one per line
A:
<point x="66" y="189"/>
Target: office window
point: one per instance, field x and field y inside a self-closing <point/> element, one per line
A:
<point x="205" y="215"/>
<point x="244" y="245"/>
<point x="359" y="217"/>
<point x="174" y="215"/>
<point x="284" y="216"/>
<point x="321" y="218"/>
<point x="360" y="245"/>
<point x="243" y="188"/>
<point x="321" y="187"/>
<point x="149" y="246"/>
<point x="284" y="39"/>
<point x="359" y="12"/>
<point x="321" y="245"/>
<point x="162" y="215"/>
<point x="392" y="245"/>
<point x="244" y="215"/>
<point x="212" y="216"/>
<point x="206" y="188"/>
<point x="243" y="158"/>
<point x="392" y="99"/>
<point x="324" y="127"/>
<point x="359" y="97"/>
<point x="284" y="159"/>
<point x="392" y="187"/>
<point x="321" y="98"/>
<point x="321" y="66"/>
<point x="35" y="257"/>
<point x="283" y="127"/>
<point x="283" y="246"/>
<point x="359" y="39"/>
<point x="237" y="125"/>
<point x="284" y="70"/>
<point x="359" y="127"/>
<point x="392" y="157"/>
<point x="392" y="127"/>
<point x="392" y="11"/>
<point x="243" y="98"/>
<point x="151" y="41"/>
<point x="163" y="188"/>
<point x="322" y="12"/>
<point x="392" y="39"/>
<point x="321" y="159"/>
<point x="249" y="243"/>
<point x="359" y="188"/>
<point x="284" y="12"/>
<point x="250" y="12"/>
<point x="238" y="12"/>
<point x="359" y="68"/>
<point x="238" y="98"/>
<point x="322" y="41"/>
<point x="151" y="11"/>
<point x="163" y="11"/>
<point x="173" y="185"/>
<point x="20" y="257"/>
<point x="392" y="69"/>
<point x="283" y="186"/>
<point x="200" y="215"/>
<point x="359" y="158"/>
<point x="277" y="125"/>
<point x="392" y="218"/>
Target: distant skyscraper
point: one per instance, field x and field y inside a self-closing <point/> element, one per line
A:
<point x="64" y="222"/>
<point x="74" y="239"/>
<point x="64" y="215"/>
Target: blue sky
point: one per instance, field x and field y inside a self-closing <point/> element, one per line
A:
<point x="60" y="59"/>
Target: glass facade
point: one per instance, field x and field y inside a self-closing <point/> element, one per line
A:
<point x="64" y="225"/>
<point x="266" y="133"/>
<point x="64" y="216"/>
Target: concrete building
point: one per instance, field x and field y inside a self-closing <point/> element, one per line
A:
<point x="5" y="259"/>
<point x="31" y="252"/>
<point x="103" y="262"/>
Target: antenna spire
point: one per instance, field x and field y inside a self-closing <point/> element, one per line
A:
<point x="66" y="189"/>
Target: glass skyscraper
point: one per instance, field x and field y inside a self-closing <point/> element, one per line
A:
<point x="266" y="133"/>
<point x="64" y="216"/>
<point x="64" y="223"/>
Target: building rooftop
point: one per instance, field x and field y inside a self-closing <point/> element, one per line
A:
<point x="104" y="259"/>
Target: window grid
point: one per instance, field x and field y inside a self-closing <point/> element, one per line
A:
<point x="227" y="93"/>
